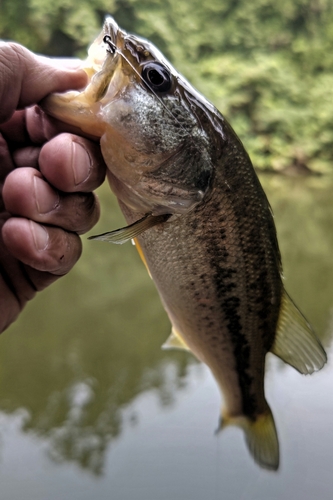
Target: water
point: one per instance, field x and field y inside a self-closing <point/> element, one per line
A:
<point x="91" y="407"/>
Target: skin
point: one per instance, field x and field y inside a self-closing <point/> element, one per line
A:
<point x="47" y="175"/>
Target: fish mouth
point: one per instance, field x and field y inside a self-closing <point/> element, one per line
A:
<point x="105" y="79"/>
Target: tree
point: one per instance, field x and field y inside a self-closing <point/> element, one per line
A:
<point x="266" y="65"/>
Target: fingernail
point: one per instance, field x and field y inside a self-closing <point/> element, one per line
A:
<point x="40" y="235"/>
<point x="47" y="199"/>
<point x="81" y="163"/>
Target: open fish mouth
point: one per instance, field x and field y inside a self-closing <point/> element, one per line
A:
<point x="115" y="63"/>
<point x="106" y="78"/>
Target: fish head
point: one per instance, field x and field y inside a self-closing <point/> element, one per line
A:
<point x="159" y="137"/>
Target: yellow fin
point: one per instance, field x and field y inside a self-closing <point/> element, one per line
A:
<point x="140" y="252"/>
<point x="261" y="438"/>
<point x="175" y="341"/>
<point x="262" y="441"/>
<point x="295" y="342"/>
<point x="120" y="236"/>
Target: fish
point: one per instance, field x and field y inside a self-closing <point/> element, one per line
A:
<point x="200" y="220"/>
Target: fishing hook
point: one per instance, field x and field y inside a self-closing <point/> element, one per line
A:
<point x="112" y="46"/>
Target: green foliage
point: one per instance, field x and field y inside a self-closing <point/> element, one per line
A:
<point x="60" y="28"/>
<point x="266" y="65"/>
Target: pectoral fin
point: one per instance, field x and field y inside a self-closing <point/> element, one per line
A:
<point x="175" y="341"/>
<point x="295" y="342"/>
<point x="120" y="236"/>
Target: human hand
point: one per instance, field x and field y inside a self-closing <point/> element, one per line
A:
<point x="46" y="180"/>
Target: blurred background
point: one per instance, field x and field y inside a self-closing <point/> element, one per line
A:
<point x="89" y="403"/>
<point x="267" y="65"/>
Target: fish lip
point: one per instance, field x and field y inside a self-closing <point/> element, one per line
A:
<point x="111" y="28"/>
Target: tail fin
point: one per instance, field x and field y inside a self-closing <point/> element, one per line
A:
<point x="261" y="438"/>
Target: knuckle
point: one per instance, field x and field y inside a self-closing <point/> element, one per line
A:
<point x="15" y="51"/>
<point x="13" y="57"/>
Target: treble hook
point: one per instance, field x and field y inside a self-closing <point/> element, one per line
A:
<point x="112" y="46"/>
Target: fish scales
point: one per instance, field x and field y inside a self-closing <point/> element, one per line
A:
<point x="201" y="222"/>
<point x="221" y="293"/>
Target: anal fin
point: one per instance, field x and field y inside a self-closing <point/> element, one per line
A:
<point x="295" y="342"/>
<point x="175" y="341"/>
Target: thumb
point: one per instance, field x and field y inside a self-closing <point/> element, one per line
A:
<point x="26" y="78"/>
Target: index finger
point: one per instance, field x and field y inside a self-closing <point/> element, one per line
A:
<point x="26" y="78"/>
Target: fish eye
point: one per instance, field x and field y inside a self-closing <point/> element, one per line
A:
<point x="157" y="77"/>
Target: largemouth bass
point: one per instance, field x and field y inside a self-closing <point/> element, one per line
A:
<point x="200" y="220"/>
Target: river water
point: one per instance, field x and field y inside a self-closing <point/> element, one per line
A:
<point x="91" y="407"/>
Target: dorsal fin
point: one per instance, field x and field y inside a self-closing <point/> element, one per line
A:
<point x="295" y="342"/>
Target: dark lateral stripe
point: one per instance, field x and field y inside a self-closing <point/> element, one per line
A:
<point x="242" y="351"/>
<point x="224" y="280"/>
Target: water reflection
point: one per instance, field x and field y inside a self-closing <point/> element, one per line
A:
<point x="87" y="349"/>
<point x="303" y="211"/>
<point x="74" y="392"/>
<point x="88" y="346"/>
<point x="172" y="452"/>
